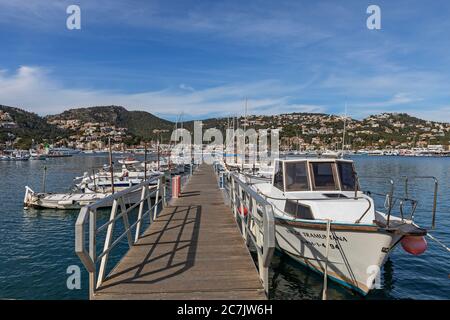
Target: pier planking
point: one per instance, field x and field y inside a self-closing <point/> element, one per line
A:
<point x="193" y="250"/>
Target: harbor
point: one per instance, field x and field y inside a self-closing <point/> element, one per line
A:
<point x="225" y="158"/>
<point x="53" y="237"/>
<point x="25" y="155"/>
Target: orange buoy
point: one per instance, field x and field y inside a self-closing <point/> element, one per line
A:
<point x="414" y="244"/>
<point x="245" y="211"/>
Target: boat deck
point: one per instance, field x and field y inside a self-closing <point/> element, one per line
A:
<point x="193" y="250"/>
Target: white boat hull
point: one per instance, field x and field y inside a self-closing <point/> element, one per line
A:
<point x="71" y="201"/>
<point x="355" y="256"/>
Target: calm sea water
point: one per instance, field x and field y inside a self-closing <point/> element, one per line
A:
<point x="37" y="246"/>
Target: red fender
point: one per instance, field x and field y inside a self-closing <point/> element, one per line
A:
<point x="245" y="211"/>
<point x="414" y="244"/>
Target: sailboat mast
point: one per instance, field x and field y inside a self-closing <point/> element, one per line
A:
<point x="111" y="169"/>
<point x="157" y="147"/>
<point x="145" y="160"/>
<point x="245" y="129"/>
<point x="343" y="134"/>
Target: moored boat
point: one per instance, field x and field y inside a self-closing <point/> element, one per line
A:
<point x="128" y="161"/>
<point x="324" y="221"/>
<point x="62" y="201"/>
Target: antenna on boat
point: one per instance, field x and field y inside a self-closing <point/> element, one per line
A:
<point x="343" y="134"/>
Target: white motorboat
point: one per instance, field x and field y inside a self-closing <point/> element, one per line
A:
<point x="128" y="161"/>
<point x="37" y="156"/>
<point x="90" y="190"/>
<point x="72" y="200"/>
<point x="101" y="181"/>
<point x="64" y="201"/>
<point x="318" y="201"/>
<point x="103" y="184"/>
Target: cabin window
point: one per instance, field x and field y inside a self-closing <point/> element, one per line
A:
<point x="346" y="175"/>
<point x="323" y="176"/>
<point x="298" y="210"/>
<point x="296" y="176"/>
<point x="278" y="177"/>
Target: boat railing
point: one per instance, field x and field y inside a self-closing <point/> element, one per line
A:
<point x="435" y="193"/>
<point x="86" y="225"/>
<point x="392" y="200"/>
<point x="254" y="215"/>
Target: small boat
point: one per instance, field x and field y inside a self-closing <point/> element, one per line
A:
<point x="71" y="200"/>
<point x="318" y="201"/>
<point x="101" y="181"/>
<point x="57" y="154"/>
<point x="64" y="152"/>
<point x="19" y="157"/>
<point x="63" y="201"/>
<point x="37" y="156"/>
<point x="128" y="161"/>
<point x="103" y="184"/>
<point x="331" y="154"/>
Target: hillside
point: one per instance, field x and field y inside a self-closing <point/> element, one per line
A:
<point x="91" y="128"/>
<point x="138" y="123"/>
<point x="20" y="126"/>
<point x="319" y="129"/>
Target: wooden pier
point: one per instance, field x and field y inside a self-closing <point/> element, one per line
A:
<point x="192" y="250"/>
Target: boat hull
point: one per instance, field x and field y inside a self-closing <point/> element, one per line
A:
<point x="73" y="201"/>
<point x="356" y="253"/>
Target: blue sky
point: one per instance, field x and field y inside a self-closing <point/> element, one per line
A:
<point x="203" y="58"/>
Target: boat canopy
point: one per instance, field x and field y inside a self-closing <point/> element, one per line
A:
<point x="314" y="175"/>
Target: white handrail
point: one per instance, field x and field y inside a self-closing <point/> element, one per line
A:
<point x="257" y="226"/>
<point x="88" y="217"/>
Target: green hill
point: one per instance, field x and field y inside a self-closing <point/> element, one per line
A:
<point x="138" y="123"/>
<point x="22" y="126"/>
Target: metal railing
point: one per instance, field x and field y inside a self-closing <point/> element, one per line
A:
<point x="436" y="186"/>
<point x="87" y="224"/>
<point x="138" y="197"/>
<point x="255" y="217"/>
<point x="391" y="199"/>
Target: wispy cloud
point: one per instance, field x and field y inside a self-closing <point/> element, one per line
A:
<point x="397" y="99"/>
<point x="205" y="57"/>
<point x="33" y="89"/>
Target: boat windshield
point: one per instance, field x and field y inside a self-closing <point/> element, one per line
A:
<point x="278" y="177"/>
<point x="346" y="175"/>
<point x="323" y="176"/>
<point x="296" y="176"/>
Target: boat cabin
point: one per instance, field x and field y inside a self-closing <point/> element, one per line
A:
<point x="314" y="175"/>
<point x="317" y="189"/>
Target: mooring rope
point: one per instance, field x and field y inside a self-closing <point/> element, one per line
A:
<point x="439" y="242"/>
